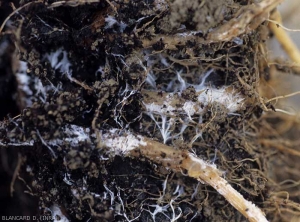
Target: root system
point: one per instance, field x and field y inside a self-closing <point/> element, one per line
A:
<point x="145" y="111"/>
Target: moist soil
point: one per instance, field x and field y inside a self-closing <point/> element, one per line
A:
<point x="102" y="88"/>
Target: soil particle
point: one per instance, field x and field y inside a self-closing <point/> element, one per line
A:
<point x="87" y="72"/>
<point x="200" y="14"/>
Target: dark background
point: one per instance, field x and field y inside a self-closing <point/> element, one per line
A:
<point x="20" y="203"/>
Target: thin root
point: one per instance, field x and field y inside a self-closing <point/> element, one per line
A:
<point x="277" y="145"/>
<point x="181" y="161"/>
<point x="15" y="175"/>
<point x="283" y="38"/>
<point x="15" y="11"/>
<point x="284" y="96"/>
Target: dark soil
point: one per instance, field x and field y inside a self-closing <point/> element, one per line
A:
<point x="103" y="89"/>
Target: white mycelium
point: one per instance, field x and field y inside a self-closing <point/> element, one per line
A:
<point x="122" y="143"/>
<point x="169" y="106"/>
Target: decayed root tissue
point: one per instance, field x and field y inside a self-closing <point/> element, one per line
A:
<point x="180" y="161"/>
<point x="247" y="19"/>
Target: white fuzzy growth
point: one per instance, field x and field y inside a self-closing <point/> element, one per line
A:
<point x="186" y="34"/>
<point x="67" y="179"/>
<point x="190" y="109"/>
<point x="201" y="162"/>
<point x="122" y="26"/>
<point x="112" y="195"/>
<point x="63" y="65"/>
<point x="201" y="85"/>
<point x="162" y="209"/>
<point x="151" y="80"/>
<point x="196" y="191"/>
<point x="170" y="106"/>
<point x="164" y="126"/>
<point x="234" y="197"/>
<point x="17" y="143"/>
<point x="122" y="143"/>
<point x="24" y="81"/>
<point x="255" y="212"/>
<point x="76" y="133"/>
<point x="111" y="21"/>
<point x="179" y="191"/>
<point x="46" y="144"/>
<point x="100" y="70"/>
<point x="166" y="108"/>
<point x="75" y="193"/>
<point x="227" y="191"/>
<point x="57" y="215"/>
<point x="40" y="89"/>
<point x="182" y="82"/>
<point x="158" y="209"/>
<point x="231" y="101"/>
<point x="206" y="95"/>
<point x="238" y="41"/>
<point x="73" y="134"/>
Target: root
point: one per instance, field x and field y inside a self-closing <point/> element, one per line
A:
<point x="283" y="206"/>
<point x="283" y="38"/>
<point x="247" y="19"/>
<point x="250" y="18"/>
<point x="15" y="175"/>
<point x="181" y="161"/>
<point x="285" y="66"/>
<point x="283" y="97"/>
<point x="82" y="84"/>
<point x="72" y="3"/>
<point x="279" y="146"/>
<point x="15" y="11"/>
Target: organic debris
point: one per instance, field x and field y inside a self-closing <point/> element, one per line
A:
<point x="139" y="110"/>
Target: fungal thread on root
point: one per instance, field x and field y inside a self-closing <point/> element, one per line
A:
<point x="125" y="143"/>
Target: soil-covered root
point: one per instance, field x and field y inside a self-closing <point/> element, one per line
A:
<point x="91" y="66"/>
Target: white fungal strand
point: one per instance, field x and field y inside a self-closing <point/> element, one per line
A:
<point x="208" y="173"/>
<point x="164" y="105"/>
<point x="63" y="65"/>
<point x="171" y="103"/>
<point x="121" y="143"/>
<point x="231" y="100"/>
<point x="57" y="215"/>
<point x="124" y="142"/>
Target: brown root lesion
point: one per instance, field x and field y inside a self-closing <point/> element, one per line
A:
<point x="185" y="162"/>
<point x="247" y="19"/>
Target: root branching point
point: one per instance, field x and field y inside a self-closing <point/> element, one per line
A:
<point x="182" y="161"/>
<point x="283" y="38"/>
